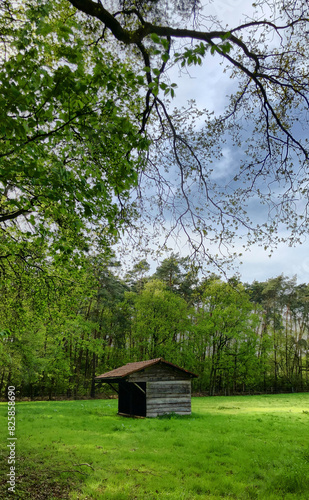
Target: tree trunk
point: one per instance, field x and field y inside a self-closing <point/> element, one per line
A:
<point x="2" y="381"/>
<point x="92" y="390"/>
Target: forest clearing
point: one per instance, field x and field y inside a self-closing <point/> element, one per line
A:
<point x="149" y="150"/>
<point x="245" y="447"/>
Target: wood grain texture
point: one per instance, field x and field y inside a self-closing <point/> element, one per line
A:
<point x="168" y="396"/>
<point x="158" y="373"/>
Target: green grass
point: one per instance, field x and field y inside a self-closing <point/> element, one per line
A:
<point x="254" y="447"/>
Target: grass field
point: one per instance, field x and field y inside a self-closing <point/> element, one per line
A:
<point x="254" y="447"/>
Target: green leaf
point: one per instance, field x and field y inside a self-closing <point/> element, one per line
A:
<point x="155" y="38"/>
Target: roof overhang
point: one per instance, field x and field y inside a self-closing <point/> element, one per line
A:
<point x="123" y="372"/>
<point x="110" y="380"/>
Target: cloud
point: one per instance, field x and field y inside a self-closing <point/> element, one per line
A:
<point x="209" y="85"/>
<point x="230" y="11"/>
<point x="290" y="261"/>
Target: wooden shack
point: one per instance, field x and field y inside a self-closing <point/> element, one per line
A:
<point x="151" y="388"/>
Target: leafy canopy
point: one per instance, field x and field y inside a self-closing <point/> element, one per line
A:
<point x="85" y="120"/>
<point x="263" y="128"/>
<point x="69" y="147"/>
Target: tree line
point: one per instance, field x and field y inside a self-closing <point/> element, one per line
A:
<point x="58" y="332"/>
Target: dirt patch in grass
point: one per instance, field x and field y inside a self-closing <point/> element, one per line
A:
<point x="33" y="481"/>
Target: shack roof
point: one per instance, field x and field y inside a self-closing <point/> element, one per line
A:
<point x="129" y="368"/>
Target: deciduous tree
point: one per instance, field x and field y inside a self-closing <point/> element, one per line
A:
<point x="69" y="142"/>
<point x="265" y="121"/>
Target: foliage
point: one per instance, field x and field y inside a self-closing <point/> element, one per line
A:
<point x="71" y="69"/>
<point x="90" y="147"/>
<point x="262" y="128"/>
<point x="63" y="181"/>
<point x="226" y="335"/>
<point x="59" y="331"/>
<point x="159" y="321"/>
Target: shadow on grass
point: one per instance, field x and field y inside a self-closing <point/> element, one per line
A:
<point x="174" y="416"/>
<point x="35" y="480"/>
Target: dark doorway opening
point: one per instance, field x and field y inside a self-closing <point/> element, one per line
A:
<point x="132" y="398"/>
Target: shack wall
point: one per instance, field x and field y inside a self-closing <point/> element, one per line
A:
<point x="168" y="390"/>
<point x="168" y="396"/>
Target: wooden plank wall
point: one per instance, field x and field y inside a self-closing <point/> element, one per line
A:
<point x="168" y="396"/>
<point x="168" y="390"/>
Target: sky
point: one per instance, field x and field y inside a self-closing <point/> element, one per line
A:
<point x="209" y="87"/>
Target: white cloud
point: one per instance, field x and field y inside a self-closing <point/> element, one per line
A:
<point x="290" y="261"/>
<point x="208" y="85"/>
